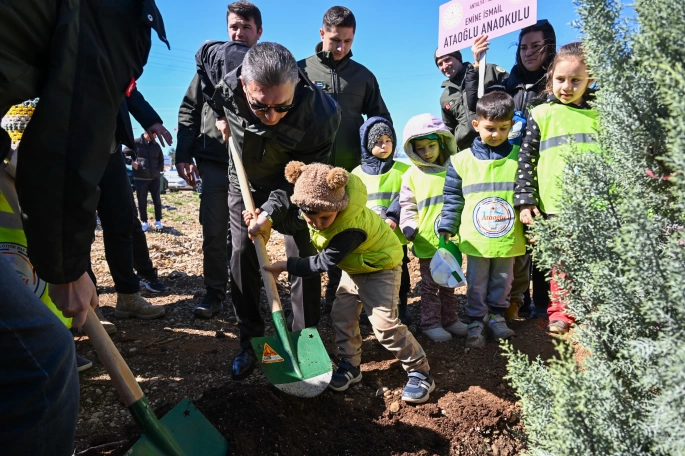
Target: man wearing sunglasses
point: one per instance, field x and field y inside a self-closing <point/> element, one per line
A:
<point x="275" y="115"/>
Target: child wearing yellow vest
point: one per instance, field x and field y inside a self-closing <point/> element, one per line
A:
<point x="351" y="236"/>
<point x="565" y="114"/>
<point x="479" y="211"/>
<point x="429" y="145"/>
<point x="382" y="176"/>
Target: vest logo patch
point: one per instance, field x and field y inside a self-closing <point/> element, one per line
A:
<point x="493" y="217"/>
<point x="17" y="256"/>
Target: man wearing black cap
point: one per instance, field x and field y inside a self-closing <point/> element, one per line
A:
<point x="458" y="100"/>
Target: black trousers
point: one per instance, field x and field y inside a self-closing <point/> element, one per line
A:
<point x="216" y="235"/>
<point x="143" y="186"/>
<point x="246" y="277"/>
<point x="405" y="284"/>
<point x="124" y="240"/>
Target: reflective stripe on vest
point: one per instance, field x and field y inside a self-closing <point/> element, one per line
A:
<point x="559" y="126"/>
<point x="428" y="193"/>
<point x="381" y="250"/>
<point x="13" y="249"/>
<point x="382" y="190"/>
<point x="490" y="226"/>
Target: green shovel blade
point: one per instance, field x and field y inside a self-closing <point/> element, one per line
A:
<point x="310" y="355"/>
<point x="186" y="426"/>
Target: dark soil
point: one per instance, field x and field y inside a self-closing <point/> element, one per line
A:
<point x="472" y="411"/>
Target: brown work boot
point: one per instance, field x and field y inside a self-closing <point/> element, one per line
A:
<point x="135" y="306"/>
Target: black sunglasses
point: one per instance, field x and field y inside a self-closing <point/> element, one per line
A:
<point x="258" y="107"/>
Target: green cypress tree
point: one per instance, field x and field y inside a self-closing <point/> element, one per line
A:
<point x="621" y="241"/>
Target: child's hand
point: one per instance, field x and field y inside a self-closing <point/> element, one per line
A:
<point x="276" y="268"/>
<point x="247" y="217"/>
<point x="480" y="46"/>
<point x="446" y="235"/>
<point x="527" y="213"/>
<point x="392" y="224"/>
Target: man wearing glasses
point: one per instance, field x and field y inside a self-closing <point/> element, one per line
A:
<point x="275" y="115"/>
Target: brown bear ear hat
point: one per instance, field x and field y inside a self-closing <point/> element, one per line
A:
<point x="318" y="187"/>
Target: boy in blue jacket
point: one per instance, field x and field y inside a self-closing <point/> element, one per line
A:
<point x="479" y="209"/>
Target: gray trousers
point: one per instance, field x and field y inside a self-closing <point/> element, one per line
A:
<point x="489" y="284"/>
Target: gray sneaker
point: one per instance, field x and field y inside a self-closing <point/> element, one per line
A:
<point x="135" y="306"/>
<point x="476" y="335"/>
<point x="499" y="328"/>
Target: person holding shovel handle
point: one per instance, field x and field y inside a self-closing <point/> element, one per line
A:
<point x="45" y="47"/>
<point x="275" y="114"/>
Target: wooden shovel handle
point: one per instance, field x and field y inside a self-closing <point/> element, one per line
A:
<point x="259" y="242"/>
<point x="116" y="367"/>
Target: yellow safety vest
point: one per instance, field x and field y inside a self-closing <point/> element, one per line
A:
<point x="382" y="189"/>
<point x="381" y="250"/>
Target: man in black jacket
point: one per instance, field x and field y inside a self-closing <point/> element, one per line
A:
<point x="148" y="167"/>
<point x="458" y="100"/>
<point x="199" y="139"/>
<point x="79" y="57"/>
<point x="275" y="115"/>
<point x="357" y="95"/>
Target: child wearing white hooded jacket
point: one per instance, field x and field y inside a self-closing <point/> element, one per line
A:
<point x="429" y="145"/>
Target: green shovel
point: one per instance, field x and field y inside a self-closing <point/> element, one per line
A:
<point x="182" y="431"/>
<point x="294" y="362"/>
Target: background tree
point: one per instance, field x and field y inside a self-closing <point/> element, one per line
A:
<point x="621" y="241"/>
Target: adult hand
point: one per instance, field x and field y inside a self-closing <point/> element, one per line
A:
<point x="134" y="164"/>
<point x="446" y="235"/>
<point x="260" y="227"/>
<point x="480" y="46"/>
<point x="188" y="172"/>
<point x="222" y="126"/>
<point x="157" y="131"/>
<point x="247" y="217"/>
<point x="392" y="224"/>
<point x="276" y="268"/>
<point x="528" y="211"/>
<point x="74" y="298"/>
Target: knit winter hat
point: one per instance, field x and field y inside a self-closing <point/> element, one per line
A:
<point x="455" y="54"/>
<point x="376" y="131"/>
<point x="318" y="187"/>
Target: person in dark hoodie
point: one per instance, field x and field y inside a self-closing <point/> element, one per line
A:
<point x="479" y="210"/>
<point x="353" y="87"/>
<point x="382" y="176"/>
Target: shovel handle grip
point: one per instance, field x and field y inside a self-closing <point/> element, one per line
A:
<point x="259" y="242"/>
<point x="122" y="377"/>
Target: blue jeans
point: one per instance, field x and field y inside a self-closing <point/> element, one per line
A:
<point x="39" y="388"/>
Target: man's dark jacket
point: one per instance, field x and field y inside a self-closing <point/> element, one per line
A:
<point x="197" y="135"/>
<point x="356" y="90"/>
<point x="306" y="133"/>
<point x="458" y="100"/>
<point x="150" y="159"/>
<point x="79" y="57"/>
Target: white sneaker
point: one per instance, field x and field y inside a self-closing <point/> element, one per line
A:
<point x="145" y="226"/>
<point x="158" y="225"/>
<point x="438" y="334"/>
<point x="458" y="329"/>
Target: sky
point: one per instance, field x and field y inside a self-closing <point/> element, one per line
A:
<point x="394" y="39"/>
